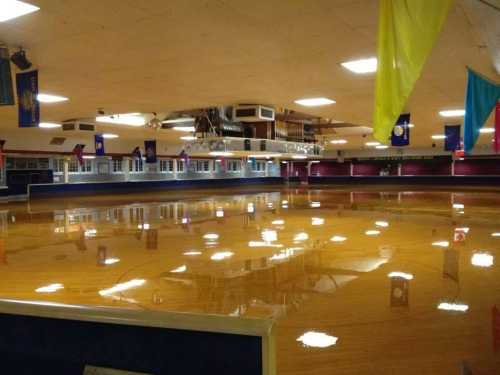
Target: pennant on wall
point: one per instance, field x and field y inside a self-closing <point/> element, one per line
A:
<point x="27" y="92"/>
<point x="78" y="152"/>
<point x="480" y="99"/>
<point x="452" y="140"/>
<point x="150" y="147"/>
<point x="401" y="132"/>
<point x="496" y="139"/>
<point x="2" y="143"/>
<point x="99" y="145"/>
<point x="6" y="90"/>
<point x="406" y="34"/>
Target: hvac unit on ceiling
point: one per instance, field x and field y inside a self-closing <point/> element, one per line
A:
<point x="77" y="126"/>
<point x="252" y="113"/>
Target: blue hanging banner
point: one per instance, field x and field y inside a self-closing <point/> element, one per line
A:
<point x="27" y="92"/>
<point x="6" y="90"/>
<point x="452" y="140"/>
<point x="150" y="147"/>
<point x="99" y="145"/>
<point x="401" y="133"/>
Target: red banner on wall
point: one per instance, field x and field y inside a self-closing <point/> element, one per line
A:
<point x="496" y="138"/>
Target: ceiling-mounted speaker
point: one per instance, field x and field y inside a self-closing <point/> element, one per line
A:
<point x="20" y="60"/>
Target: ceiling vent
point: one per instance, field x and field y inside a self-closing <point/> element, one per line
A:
<point x="253" y="113"/>
<point x="78" y="126"/>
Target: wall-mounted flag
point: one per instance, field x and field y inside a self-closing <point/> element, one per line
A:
<point x="27" y="92"/>
<point x="99" y="145"/>
<point x="150" y="147"/>
<point x="496" y="139"/>
<point x="480" y="99"/>
<point x="401" y="133"/>
<point x="78" y="152"/>
<point x="6" y="90"/>
<point x="452" y="140"/>
<point x="2" y="144"/>
<point x="136" y="153"/>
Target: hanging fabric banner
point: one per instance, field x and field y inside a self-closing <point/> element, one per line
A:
<point x="99" y="145"/>
<point x="6" y="89"/>
<point x="480" y="99"/>
<point x="496" y="139"/>
<point x="78" y="152"/>
<point x="401" y="132"/>
<point x="452" y="140"/>
<point x="27" y="92"/>
<point x="407" y="31"/>
<point x="150" y="147"/>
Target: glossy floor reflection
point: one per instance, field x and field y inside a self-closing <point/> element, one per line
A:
<point x="360" y="282"/>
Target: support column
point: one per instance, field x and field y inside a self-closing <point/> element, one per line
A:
<point x="126" y="167"/>
<point x="309" y="164"/>
<point x="66" y="170"/>
<point x="351" y="172"/>
<point x="399" y="169"/>
<point x="453" y="167"/>
<point x="175" y="169"/>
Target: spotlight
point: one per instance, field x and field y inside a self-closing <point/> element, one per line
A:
<point x="20" y="60"/>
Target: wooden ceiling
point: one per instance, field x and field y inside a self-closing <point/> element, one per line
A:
<point x="162" y="56"/>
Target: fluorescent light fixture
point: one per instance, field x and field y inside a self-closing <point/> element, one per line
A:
<point x="250" y="208"/>
<point x="382" y="224"/>
<point x="482" y="260"/>
<point x="317" y="221"/>
<point x="178" y="120"/>
<point x="337" y="238"/>
<point x="270" y="162"/>
<point x="211" y="237"/>
<point x="220" y="153"/>
<point x="403" y="275"/>
<point x="89" y="157"/>
<point x="89" y="233"/>
<point x="48" y="125"/>
<point x="381" y="147"/>
<point x="110" y="261"/>
<point x="109" y="136"/>
<point x="314" y="102"/>
<point x="263" y="244"/>
<point x="299" y="157"/>
<point x="452" y="113"/>
<point x="278" y="222"/>
<point x="463" y="229"/>
<point x="219" y="212"/>
<point x="10" y="9"/>
<point x="372" y="232"/>
<point x="438" y="136"/>
<point x="447" y="306"/>
<point x="458" y="206"/>
<point x="271" y="155"/>
<point x="371" y="144"/>
<point x="487" y="130"/>
<point x="441" y="243"/>
<point x="362" y="66"/>
<point x="495" y="234"/>
<point x="188" y="138"/>
<point x="317" y="339"/>
<point x="222" y="255"/>
<point x="284" y="162"/>
<point x="51" y="288"/>
<point x="280" y="256"/>
<point x="187" y="129"/>
<point x="338" y="142"/>
<point x="315" y="204"/>
<point x="270" y="205"/>
<point x="180" y="269"/>
<point x="145" y="226"/>
<point x="131" y="119"/>
<point x="192" y="253"/>
<point x="47" y="98"/>
<point x="121" y="287"/>
<point x="269" y="235"/>
<point x="301" y="237"/>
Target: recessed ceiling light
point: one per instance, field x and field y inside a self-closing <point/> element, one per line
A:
<point x="362" y="66"/>
<point x="47" y="98"/>
<point x="438" y="136"/>
<point x="487" y="130"/>
<point x="317" y="339"/>
<point x="131" y="119"/>
<point x="188" y="138"/>
<point x="48" y="125"/>
<point x="187" y="129"/>
<point x="10" y="9"/>
<point x="314" y="102"/>
<point x="452" y="113"/>
<point x="221" y="153"/>
<point x="338" y="142"/>
<point x="372" y="143"/>
<point x="381" y="147"/>
<point x="109" y="136"/>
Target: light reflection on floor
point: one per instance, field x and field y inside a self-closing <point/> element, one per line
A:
<point x="360" y="282"/>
